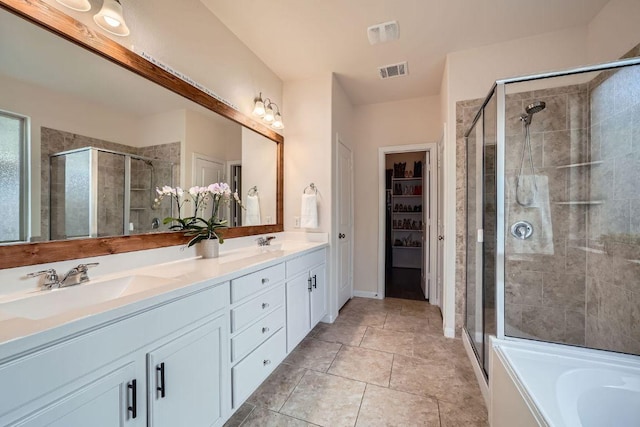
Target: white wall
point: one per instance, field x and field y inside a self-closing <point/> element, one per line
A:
<point x="414" y="121"/>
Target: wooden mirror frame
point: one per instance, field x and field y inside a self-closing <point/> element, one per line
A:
<point x="51" y="19"/>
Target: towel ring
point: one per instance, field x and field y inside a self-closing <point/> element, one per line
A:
<point x="310" y="187"/>
<point x="253" y="191"/>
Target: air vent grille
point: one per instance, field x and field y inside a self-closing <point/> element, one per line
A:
<point x="382" y="33"/>
<point x="393" y="70"/>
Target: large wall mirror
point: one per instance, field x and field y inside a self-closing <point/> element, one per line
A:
<point x="85" y="142"/>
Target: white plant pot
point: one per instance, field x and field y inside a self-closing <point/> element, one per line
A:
<point x="209" y="248"/>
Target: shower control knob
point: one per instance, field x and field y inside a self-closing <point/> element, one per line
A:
<point x="522" y="230"/>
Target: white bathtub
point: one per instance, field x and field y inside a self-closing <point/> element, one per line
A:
<point x="564" y="386"/>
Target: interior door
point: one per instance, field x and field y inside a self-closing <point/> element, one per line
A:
<point x="426" y="225"/>
<point x="440" y="252"/>
<point x="345" y="224"/>
<point x="207" y="171"/>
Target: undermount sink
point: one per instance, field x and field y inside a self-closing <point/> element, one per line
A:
<point x="43" y="304"/>
<point x="270" y="248"/>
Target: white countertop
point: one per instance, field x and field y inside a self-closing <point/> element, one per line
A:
<point x="19" y="335"/>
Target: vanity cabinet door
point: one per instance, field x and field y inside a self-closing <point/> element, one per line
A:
<point x="187" y="378"/>
<point x="318" y="294"/>
<point x="106" y="401"/>
<point x="298" y="310"/>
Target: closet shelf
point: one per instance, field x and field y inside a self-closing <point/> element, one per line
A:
<point x="406" y="213"/>
<point x="418" y="178"/>
<point x="577" y="165"/>
<point x="407" y="247"/>
<point x="581" y="202"/>
<point x="417" y="230"/>
<point x="406" y="195"/>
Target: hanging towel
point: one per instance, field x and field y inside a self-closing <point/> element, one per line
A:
<point x="252" y="217"/>
<point x="309" y="211"/>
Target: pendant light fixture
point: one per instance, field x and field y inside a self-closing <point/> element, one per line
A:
<point x="111" y="19"/>
<point x="265" y="110"/>
<point x="79" y="5"/>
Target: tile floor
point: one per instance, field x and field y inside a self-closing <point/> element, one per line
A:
<point x="382" y="363"/>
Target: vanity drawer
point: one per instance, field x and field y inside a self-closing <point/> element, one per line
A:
<point x="250" y="338"/>
<point x="251" y="310"/>
<point x="305" y="262"/>
<point x="245" y="286"/>
<point x="248" y="374"/>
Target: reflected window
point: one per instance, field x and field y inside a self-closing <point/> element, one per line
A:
<point x="13" y="181"/>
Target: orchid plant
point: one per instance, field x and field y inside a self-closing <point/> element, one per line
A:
<point x="197" y="227"/>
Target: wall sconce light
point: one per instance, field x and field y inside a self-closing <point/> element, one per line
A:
<point x="265" y="109"/>
<point x="111" y="19"/>
<point x="79" y="5"/>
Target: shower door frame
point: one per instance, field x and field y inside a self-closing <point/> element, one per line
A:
<point x="500" y="89"/>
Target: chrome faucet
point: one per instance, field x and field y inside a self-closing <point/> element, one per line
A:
<point x="75" y="276"/>
<point x="51" y="280"/>
<point x="265" y="241"/>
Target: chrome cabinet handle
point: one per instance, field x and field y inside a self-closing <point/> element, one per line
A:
<point x="265" y="329"/>
<point x="265" y="305"/>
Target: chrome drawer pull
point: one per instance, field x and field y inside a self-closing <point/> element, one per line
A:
<point x="266" y="362"/>
<point x="265" y="280"/>
<point x="265" y="330"/>
<point x="265" y="305"/>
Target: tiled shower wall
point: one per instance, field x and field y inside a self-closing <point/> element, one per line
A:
<point x="111" y="181"/>
<point x="586" y="289"/>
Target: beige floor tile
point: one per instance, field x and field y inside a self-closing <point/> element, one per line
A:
<point x="262" y="417"/>
<point x="239" y="416"/>
<point x="426" y="377"/>
<point x="406" y="322"/>
<point x="471" y="414"/>
<point x="369" y="304"/>
<point x="363" y="364"/>
<point x="275" y="390"/>
<point x="388" y="340"/>
<point x="343" y="333"/>
<point x="362" y="318"/>
<point x="313" y="354"/>
<point x="385" y="407"/>
<point x="437" y="348"/>
<point x="325" y="400"/>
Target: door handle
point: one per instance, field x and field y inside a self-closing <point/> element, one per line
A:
<point x="161" y="387"/>
<point x="133" y="408"/>
<point x="341" y="235"/>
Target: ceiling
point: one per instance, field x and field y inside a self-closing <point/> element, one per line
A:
<point x="299" y="39"/>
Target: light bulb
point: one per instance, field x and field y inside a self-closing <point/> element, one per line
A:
<point x="258" y="110"/>
<point x="268" y="114"/>
<point x="111" y="19"/>
<point x="277" y="122"/>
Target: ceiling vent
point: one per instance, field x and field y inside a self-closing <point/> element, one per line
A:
<point x="394" y="70"/>
<point x="382" y="33"/>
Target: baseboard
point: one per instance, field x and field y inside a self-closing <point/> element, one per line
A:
<point x="366" y="294"/>
<point x="449" y="332"/>
<point x="482" y="381"/>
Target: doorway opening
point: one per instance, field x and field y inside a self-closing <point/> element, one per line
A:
<point x="408" y="221"/>
<point x="404" y="225"/>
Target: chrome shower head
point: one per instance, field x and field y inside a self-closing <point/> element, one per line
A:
<point x="535" y="107"/>
<point x="530" y="110"/>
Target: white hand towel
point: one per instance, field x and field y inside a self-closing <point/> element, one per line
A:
<point x="309" y="211"/>
<point x="252" y="216"/>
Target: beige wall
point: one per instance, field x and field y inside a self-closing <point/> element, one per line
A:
<point x="614" y="31"/>
<point x="414" y="121"/>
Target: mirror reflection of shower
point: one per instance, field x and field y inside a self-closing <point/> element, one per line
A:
<point x="526" y="192"/>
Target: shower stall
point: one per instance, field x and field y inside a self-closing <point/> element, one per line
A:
<point x="552" y="203"/>
<point x="97" y="193"/>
